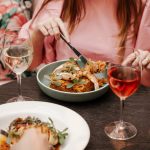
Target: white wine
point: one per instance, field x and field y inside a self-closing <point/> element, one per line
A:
<point x="18" y="58"/>
<point x="17" y="55"/>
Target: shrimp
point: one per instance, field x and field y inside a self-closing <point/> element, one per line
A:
<point x="67" y="76"/>
<point x="95" y="67"/>
<point x="59" y="69"/>
<point x="66" y="67"/>
<point x="92" y="78"/>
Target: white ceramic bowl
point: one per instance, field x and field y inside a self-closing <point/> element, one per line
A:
<point x="66" y="96"/>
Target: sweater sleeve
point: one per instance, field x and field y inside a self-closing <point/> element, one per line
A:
<point x="52" y="9"/>
<point x="143" y="39"/>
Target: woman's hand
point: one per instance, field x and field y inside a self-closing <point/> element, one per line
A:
<point x="32" y="139"/>
<point x="137" y="58"/>
<point x="53" y="27"/>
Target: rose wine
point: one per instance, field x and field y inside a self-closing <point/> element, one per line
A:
<point x="18" y="59"/>
<point x="124" y="81"/>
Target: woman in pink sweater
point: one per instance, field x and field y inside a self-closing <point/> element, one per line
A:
<point x="96" y="28"/>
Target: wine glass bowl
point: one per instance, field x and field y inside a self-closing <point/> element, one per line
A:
<point x="124" y="81"/>
<point x="17" y="58"/>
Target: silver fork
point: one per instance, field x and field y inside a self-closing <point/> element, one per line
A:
<point x="82" y="60"/>
<point x="3" y="132"/>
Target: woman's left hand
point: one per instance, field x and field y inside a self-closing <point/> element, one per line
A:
<point x="137" y="58"/>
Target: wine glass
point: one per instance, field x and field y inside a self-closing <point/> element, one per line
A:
<point x="17" y="55"/>
<point x="124" y="81"/>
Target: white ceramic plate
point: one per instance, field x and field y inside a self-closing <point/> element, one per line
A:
<point x="79" y="133"/>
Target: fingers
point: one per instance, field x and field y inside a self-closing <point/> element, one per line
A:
<point x="138" y="58"/>
<point x="63" y="28"/>
<point x="146" y="62"/>
<point x="148" y="66"/>
<point x="48" y="28"/>
<point x="55" y="28"/>
<point x="52" y="27"/>
<point x="43" y="30"/>
<point x="145" y="58"/>
<point x="136" y="62"/>
<point x="143" y="55"/>
<point x="129" y="59"/>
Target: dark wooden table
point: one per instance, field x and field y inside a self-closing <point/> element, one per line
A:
<point x="99" y="113"/>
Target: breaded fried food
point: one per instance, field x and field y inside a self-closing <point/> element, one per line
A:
<point x="3" y="143"/>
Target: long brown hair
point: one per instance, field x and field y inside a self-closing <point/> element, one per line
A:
<point x="128" y="14"/>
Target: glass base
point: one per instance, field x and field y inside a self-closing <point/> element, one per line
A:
<point x="120" y="130"/>
<point x="19" y="99"/>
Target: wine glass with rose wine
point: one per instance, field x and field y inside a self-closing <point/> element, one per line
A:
<point x="17" y="55"/>
<point x="124" y="81"/>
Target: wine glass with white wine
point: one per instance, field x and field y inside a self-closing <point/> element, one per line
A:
<point x="17" y="55"/>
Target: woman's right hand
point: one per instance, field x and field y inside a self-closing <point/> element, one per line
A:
<point x="53" y="27"/>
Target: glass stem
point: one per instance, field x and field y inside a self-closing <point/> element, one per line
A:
<point x="19" y="85"/>
<point x="121" y="110"/>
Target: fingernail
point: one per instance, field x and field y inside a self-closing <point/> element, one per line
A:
<point x="148" y="67"/>
<point x="144" y="62"/>
<point x="134" y="64"/>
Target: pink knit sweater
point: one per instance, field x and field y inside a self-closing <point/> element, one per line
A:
<point x="96" y="34"/>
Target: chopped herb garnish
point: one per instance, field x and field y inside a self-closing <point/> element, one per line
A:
<point x="70" y="85"/>
<point x="62" y="136"/>
<point x="57" y="83"/>
<point x="71" y="59"/>
<point x="82" y="82"/>
<point x="75" y="81"/>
